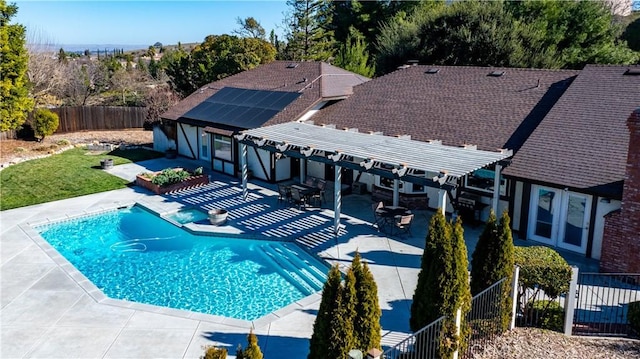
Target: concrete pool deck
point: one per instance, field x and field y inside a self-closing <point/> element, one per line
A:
<point x="48" y="313"/>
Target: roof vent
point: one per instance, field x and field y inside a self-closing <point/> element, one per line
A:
<point x="292" y="66"/>
<point x="412" y="62"/>
<point x="634" y="71"/>
<point x="432" y="71"/>
<point x="496" y="73"/>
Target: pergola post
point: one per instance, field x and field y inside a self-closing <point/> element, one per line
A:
<point x="442" y="200"/>
<point x="303" y="170"/>
<point x="396" y="192"/>
<point x="496" y="189"/>
<point x="245" y="169"/>
<point x="337" y="199"/>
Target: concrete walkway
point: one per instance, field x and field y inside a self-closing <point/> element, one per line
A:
<point x="48" y="310"/>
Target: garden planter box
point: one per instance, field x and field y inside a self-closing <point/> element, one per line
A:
<point x="192" y="181"/>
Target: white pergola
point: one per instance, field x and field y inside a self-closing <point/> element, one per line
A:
<point x="399" y="158"/>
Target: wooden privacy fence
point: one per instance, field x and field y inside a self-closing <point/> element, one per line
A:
<point x="90" y="118"/>
<point x="86" y="118"/>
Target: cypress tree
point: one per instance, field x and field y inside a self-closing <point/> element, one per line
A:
<point x="483" y="259"/>
<point x="252" y="351"/>
<point x="341" y="339"/>
<point x="434" y="289"/>
<point x="367" y="321"/>
<point x="493" y="259"/>
<point x="322" y="326"/>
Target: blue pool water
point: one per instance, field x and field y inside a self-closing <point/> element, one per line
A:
<point x="134" y="255"/>
<point x="188" y="215"/>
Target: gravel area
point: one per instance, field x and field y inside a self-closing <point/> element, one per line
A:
<point x="13" y="151"/>
<point x="533" y="343"/>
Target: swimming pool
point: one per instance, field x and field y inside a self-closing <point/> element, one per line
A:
<point x="134" y="255"/>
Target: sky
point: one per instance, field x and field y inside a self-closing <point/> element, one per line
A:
<point x="140" y="22"/>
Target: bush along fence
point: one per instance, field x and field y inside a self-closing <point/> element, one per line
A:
<point x="484" y="320"/>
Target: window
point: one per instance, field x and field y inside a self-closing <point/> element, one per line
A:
<point x="483" y="180"/>
<point x="222" y="147"/>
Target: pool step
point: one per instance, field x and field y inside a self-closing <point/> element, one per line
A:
<point x="298" y="274"/>
<point x="308" y="261"/>
<point x="306" y="270"/>
<point x="287" y="273"/>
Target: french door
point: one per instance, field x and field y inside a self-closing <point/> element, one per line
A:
<point x="559" y="218"/>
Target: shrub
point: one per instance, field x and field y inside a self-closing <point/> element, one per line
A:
<point x="546" y="314"/>
<point x="633" y="316"/>
<point x="63" y="142"/>
<point x="45" y="123"/>
<point x="197" y="171"/>
<point x="252" y="351"/>
<point x="367" y="321"/>
<point x="170" y="176"/>
<point x="211" y="352"/>
<point x="542" y="268"/>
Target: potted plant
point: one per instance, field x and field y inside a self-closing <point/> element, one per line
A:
<point x="106" y="163"/>
<point x="218" y="216"/>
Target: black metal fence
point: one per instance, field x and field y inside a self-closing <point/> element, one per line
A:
<point x="602" y="303"/>
<point x="536" y="309"/>
<point x="486" y="317"/>
<point x="423" y="344"/>
<point x="484" y="320"/>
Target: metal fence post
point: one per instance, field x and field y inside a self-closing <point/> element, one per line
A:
<point x="458" y="322"/>
<point x="514" y="296"/>
<point x="570" y="302"/>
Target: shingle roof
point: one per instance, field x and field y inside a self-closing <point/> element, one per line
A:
<point x="457" y="105"/>
<point x="315" y="80"/>
<point x="583" y="142"/>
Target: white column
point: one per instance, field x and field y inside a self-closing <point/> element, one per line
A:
<point x="303" y="170"/>
<point x="496" y="190"/>
<point x="245" y="170"/>
<point x="396" y="192"/>
<point x="337" y="199"/>
<point x="442" y="200"/>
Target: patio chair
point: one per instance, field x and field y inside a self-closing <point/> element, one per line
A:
<point x="403" y="224"/>
<point x="319" y="196"/>
<point x="310" y="181"/>
<point x="284" y="193"/>
<point x="298" y="198"/>
<point x="377" y="219"/>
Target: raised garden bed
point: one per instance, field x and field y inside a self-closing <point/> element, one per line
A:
<point x="171" y="180"/>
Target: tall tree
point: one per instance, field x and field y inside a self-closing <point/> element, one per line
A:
<point x="309" y="36"/>
<point x="367" y="321"/>
<point x="341" y="339"/>
<point x="15" y="102"/>
<point x="252" y="351"/>
<point x="443" y="282"/>
<point x="353" y="55"/>
<point x="249" y="27"/>
<point x="322" y="326"/>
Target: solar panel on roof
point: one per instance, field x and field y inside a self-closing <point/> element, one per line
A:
<point x="241" y="108"/>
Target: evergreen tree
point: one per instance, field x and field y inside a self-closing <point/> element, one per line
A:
<point x="367" y="321"/>
<point x="309" y="36"/>
<point x="252" y="351"/>
<point x="353" y="55"/>
<point x="493" y="259"/>
<point x="322" y="326"/>
<point x="62" y="56"/>
<point x="341" y="339"/>
<point x="15" y="102"/>
<point x="433" y="291"/>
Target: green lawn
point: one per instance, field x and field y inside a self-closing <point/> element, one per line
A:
<point x="69" y="174"/>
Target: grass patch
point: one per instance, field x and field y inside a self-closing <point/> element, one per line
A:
<point x="69" y="174"/>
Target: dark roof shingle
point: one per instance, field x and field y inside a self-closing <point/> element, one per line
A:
<point x="457" y="105"/>
<point x="583" y="142"/>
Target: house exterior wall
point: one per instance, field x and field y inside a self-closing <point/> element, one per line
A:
<point x="283" y="169"/>
<point x="517" y="206"/>
<point x="621" y="242"/>
<point x="187" y="140"/>
<point x="161" y="142"/>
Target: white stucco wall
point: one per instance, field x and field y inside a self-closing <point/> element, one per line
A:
<point x="183" y="145"/>
<point x="161" y="142"/>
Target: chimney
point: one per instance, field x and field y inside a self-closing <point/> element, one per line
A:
<point x="621" y="239"/>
